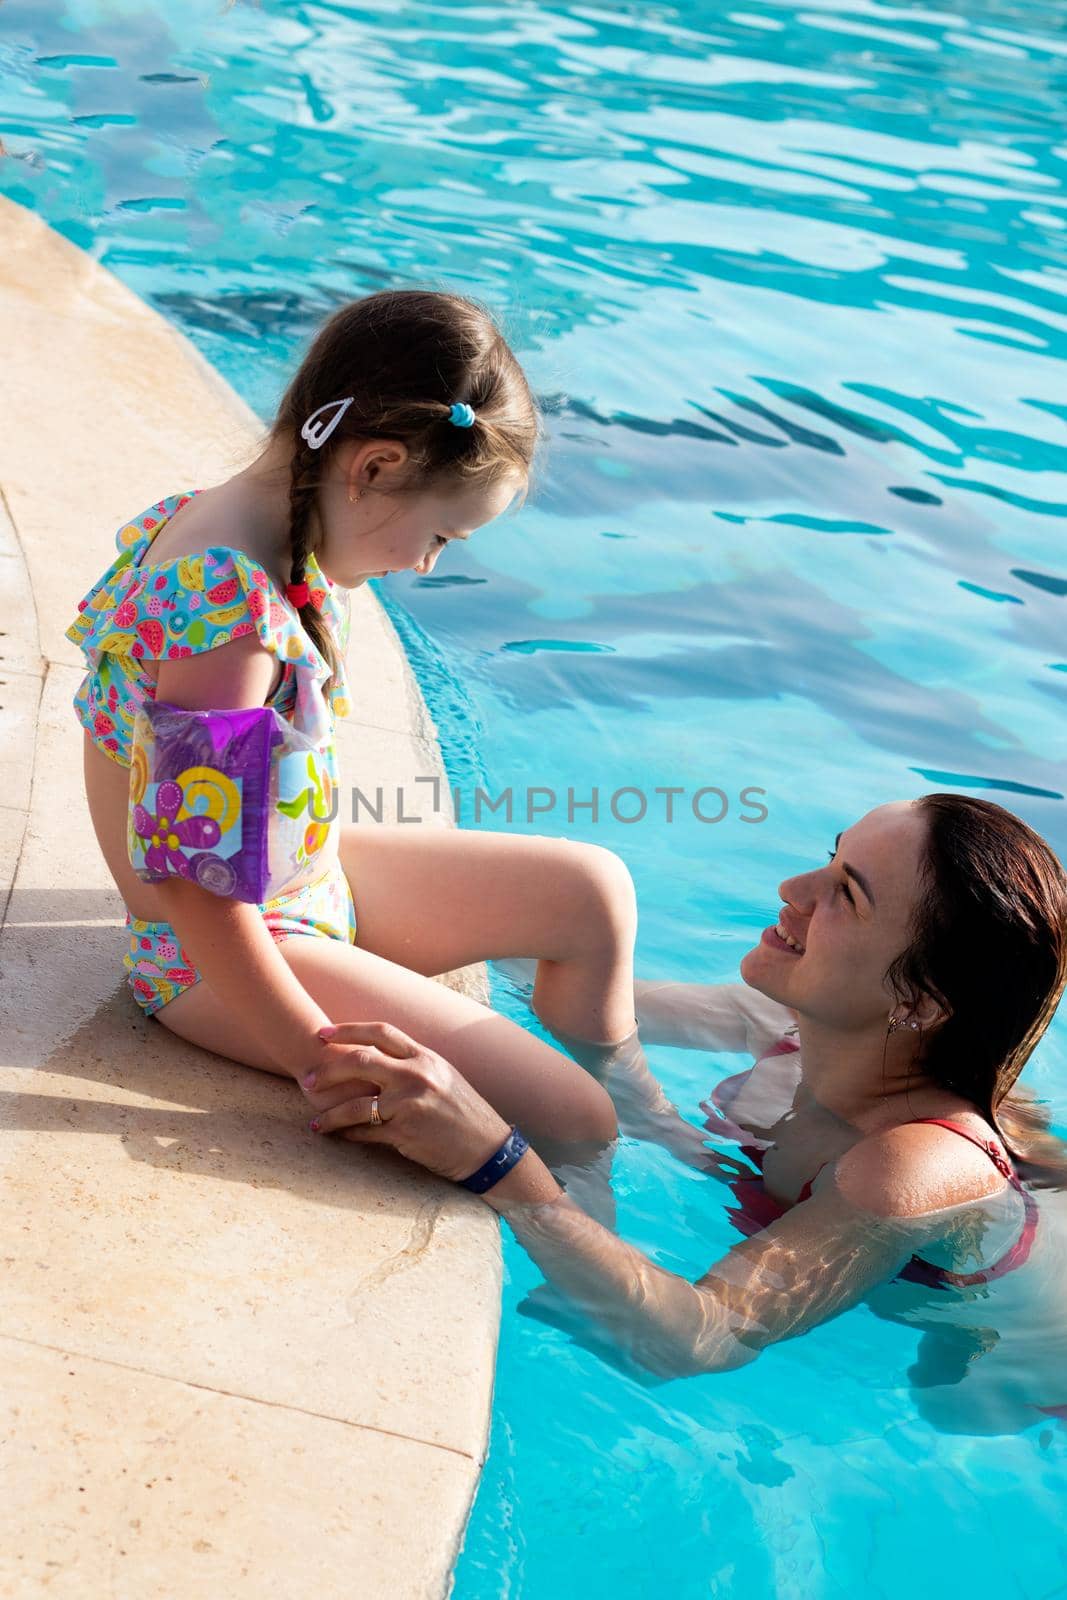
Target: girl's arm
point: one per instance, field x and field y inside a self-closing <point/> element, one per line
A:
<point x="227" y="939"/>
<point x="238" y="959"/>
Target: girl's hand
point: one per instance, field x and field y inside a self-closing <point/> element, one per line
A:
<point x="430" y="1113"/>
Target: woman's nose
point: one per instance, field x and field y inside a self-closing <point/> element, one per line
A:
<point x="798" y="891"/>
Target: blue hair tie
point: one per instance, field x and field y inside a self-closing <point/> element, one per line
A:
<point x="461" y="415"/>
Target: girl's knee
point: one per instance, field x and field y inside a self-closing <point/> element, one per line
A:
<point x="609" y="889"/>
<point x="603" y="1125"/>
<point x="591" y="1119"/>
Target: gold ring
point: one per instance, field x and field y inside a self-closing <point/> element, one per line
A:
<point x="376" y="1118"/>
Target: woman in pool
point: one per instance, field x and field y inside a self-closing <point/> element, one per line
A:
<point x="890" y="1010"/>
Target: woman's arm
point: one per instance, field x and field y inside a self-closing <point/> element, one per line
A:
<point x="696" y="1016"/>
<point x="816" y="1261"/>
<point x="709" y="1016"/>
<point x="644" y="1109"/>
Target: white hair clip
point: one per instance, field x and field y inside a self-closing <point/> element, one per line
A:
<point x="318" y="435"/>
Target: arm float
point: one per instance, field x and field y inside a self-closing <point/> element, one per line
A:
<point x="237" y="801"/>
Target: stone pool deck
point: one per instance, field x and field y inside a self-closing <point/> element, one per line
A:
<point x="237" y="1359"/>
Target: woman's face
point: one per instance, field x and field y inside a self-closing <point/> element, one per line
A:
<point x="848" y="920"/>
<point x="385" y="532"/>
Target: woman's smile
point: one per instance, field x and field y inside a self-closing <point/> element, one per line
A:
<point x="774" y="938"/>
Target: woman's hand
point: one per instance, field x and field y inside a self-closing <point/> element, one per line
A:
<point x="339" y="1075"/>
<point x="430" y="1113"/>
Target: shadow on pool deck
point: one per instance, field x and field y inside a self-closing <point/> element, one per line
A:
<point x="237" y="1357"/>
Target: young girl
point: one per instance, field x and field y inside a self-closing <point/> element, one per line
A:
<point x="408" y="424"/>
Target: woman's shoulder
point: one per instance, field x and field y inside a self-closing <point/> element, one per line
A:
<point x="919" y="1167"/>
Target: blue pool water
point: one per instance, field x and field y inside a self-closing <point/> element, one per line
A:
<point x="792" y="282"/>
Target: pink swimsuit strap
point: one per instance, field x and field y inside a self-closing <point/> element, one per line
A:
<point x="1020" y="1250"/>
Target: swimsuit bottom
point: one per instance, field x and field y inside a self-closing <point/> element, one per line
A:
<point x="159" y="968"/>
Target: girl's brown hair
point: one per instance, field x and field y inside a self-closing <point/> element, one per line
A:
<point x="989" y="943"/>
<point x="406" y="356"/>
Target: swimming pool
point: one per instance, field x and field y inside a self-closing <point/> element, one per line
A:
<point x="791" y="279"/>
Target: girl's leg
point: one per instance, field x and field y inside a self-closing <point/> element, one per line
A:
<point x="642" y="1106"/>
<point x="430" y="900"/>
<point x="558" y="1105"/>
<point x="433" y="899"/>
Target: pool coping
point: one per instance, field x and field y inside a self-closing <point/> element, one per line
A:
<point x="188" y="1304"/>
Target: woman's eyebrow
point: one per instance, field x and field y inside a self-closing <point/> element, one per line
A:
<point x="851" y="872"/>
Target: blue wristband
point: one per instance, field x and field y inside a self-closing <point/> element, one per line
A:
<point x="510" y="1153"/>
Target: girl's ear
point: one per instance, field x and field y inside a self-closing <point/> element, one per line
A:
<point x="381" y="460"/>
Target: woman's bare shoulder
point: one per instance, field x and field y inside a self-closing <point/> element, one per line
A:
<point x="917" y="1167"/>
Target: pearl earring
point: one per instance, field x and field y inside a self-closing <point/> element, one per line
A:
<point x="354" y="497"/>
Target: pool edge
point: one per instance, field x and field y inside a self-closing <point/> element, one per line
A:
<point x="112" y="408"/>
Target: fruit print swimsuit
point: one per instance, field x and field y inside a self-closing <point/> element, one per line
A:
<point x="179" y="608"/>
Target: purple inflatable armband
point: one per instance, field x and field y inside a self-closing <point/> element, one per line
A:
<point x="237" y="801"/>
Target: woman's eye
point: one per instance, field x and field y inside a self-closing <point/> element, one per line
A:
<point x="843" y="884"/>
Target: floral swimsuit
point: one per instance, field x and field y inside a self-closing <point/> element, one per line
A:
<point x="179" y="608"/>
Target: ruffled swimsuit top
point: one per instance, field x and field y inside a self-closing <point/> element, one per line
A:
<point x="243" y="800"/>
<point x="190" y="604"/>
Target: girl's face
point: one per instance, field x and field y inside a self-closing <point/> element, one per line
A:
<point x="848" y="920"/>
<point x="385" y="532"/>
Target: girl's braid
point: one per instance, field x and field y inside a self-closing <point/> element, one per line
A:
<point x="302" y="486"/>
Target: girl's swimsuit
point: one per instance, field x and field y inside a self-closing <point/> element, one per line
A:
<point x="757" y="1208"/>
<point x="179" y="608"/>
<point x="158" y="966"/>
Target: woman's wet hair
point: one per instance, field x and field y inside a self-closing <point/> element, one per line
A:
<point x="989" y="944"/>
<point x="407" y="356"/>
